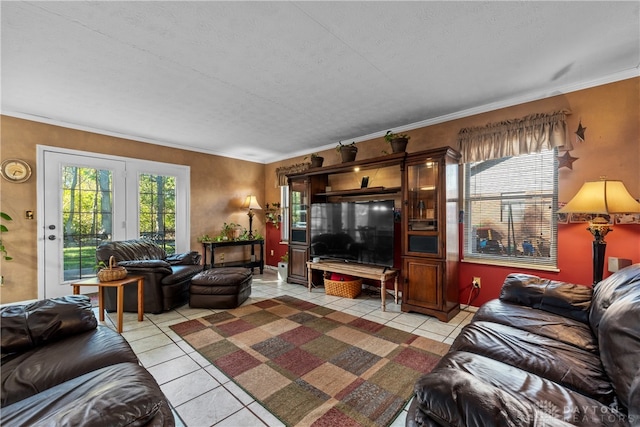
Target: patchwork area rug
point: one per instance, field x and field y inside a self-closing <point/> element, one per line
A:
<point x="310" y="365"/>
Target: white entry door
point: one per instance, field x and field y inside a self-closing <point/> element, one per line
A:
<point x="84" y="204"/>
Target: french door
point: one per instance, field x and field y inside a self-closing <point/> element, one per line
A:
<point x="85" y="199"/>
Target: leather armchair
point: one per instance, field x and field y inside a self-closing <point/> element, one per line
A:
<point x="166" y="277"/>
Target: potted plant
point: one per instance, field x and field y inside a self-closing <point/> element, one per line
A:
<point x="272" y="214"/>
<point x="398" y="141"/>
<point x="228" y="231"/>
<point x="283" y="267"/>
<point x="347" y="151"/>
<point x="316" y="160"/>
<point x="4" y="229"/>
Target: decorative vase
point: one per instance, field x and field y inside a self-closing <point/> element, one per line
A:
<point x="399" y="145"/>
<point x="316" y="162"/>
<point x="348" y="153"/>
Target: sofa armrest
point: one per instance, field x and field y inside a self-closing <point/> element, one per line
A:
<point x="187" y="258"/>
<point x="565" y="299"/>
<point x="24" y="327"/>
<point x="147" y="265"/>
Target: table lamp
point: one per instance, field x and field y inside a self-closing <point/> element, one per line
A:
<point x="604" y="197"/>
<point x="251" y="203"/>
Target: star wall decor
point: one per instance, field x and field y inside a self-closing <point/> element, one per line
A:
<point x="580" y="132"/>
<point x="566" y="161"/>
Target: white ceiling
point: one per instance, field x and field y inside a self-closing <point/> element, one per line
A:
<point x="264" y="81"/>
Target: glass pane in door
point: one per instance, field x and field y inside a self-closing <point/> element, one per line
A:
<point x="423" y="187"/>
<point x="157" y="214"/>
<point x="87" y="218"/>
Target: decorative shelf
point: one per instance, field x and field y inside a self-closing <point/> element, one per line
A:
<point x="362" y="191"/>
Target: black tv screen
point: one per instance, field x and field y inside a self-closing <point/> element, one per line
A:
<point x="353" y="231"/>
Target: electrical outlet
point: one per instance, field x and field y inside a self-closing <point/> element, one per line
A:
<point x="477" y="282"/>
<point x="221" y="257"/>
<point x="271" y="252"/>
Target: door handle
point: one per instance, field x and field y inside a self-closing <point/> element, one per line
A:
<point x="52" y="237"/>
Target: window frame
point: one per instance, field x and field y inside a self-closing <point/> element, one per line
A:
<point x="469" y="255"/>
<point x="284" y="204"/>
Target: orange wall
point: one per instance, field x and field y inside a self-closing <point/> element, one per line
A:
<point x="611" y="114"/>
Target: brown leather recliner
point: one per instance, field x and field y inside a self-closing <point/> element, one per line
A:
<point x="166" y="277"/>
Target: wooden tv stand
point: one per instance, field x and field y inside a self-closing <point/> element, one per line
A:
<point x="359" y="270"/>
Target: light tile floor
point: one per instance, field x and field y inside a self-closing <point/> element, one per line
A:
<point x="202" y="396"/>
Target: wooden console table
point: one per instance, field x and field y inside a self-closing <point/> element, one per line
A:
<point x="359" y="270"/>
<point x="119" y="284"/>
<point x="250" y="263"/>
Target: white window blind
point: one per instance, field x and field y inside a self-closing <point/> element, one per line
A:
<point x="510" y="206"/>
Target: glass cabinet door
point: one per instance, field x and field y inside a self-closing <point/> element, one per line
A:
<point x="422" y="210"/>
<point x="298" y="202"/>
<point x="423" y="200"/>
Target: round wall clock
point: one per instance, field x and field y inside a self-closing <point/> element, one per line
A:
<point x="15" y="170"/>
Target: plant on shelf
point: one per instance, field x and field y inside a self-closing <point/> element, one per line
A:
<point x="272" y="214"/>
<point x="398" y="141"/>
<point x="228" y="231"/>
<point x="316" y="160"/>
<point x="347" y="151"/>
<point x="4" y="229"/>
<point x="285" y="257"/>
<point x="205" y="238"/>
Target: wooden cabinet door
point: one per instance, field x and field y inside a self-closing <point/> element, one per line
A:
<point x="298" y="257"/>
<point x="423" y="283"/>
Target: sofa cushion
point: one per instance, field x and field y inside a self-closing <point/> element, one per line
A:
<point x="619" y="334"/>
<point x="614" y="287"/>
<point x="539" y="322"/>
<point x="125" y="250"/>
<point x="470" y="389"/>
<point x="186" y="258"/>
<point x="120" y="395"/>
<point x="554" y="360"/>
<point x="615" y="316"/>
<point x="561" y="298"/>
<point x="180" y="273"/>
<point x="30" y="372"/>
<point x="23" y="327"/>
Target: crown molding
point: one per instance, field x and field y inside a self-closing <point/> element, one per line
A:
<point x="534" y="96"/>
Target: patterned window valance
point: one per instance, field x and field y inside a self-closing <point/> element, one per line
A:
<point x="283" y="171"/>
<point x="529" y="134"/>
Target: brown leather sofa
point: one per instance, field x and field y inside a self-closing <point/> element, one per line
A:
<point x="59" y="368"/>
<point x="166" y="277"/>
<point x="546" y="353"/>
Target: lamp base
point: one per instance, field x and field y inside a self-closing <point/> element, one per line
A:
<point x="599" y="248"/>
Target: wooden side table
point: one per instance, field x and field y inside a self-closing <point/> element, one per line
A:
<point x="359" y="270"/>
<point x="119" y="284"/>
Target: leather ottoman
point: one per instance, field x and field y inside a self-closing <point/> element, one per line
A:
<point x="226" y="287"/>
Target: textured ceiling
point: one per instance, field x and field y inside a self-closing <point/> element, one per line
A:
<point x="264" y="81"/>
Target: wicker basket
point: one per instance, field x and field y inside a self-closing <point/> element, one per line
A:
<point x="112" y="272"/>
<point x="343" y="288"/>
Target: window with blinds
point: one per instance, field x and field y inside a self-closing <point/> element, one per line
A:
<point x="509" y="206"/>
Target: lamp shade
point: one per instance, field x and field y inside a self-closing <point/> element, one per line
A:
<point x="602" y="197"/>
<point x="251" y="203"/>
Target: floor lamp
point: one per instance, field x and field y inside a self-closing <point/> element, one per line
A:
<point x="601" y="198"/>
<point x="251" y="203"/>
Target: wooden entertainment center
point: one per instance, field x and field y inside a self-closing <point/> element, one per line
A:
<point x="424" y="188"/>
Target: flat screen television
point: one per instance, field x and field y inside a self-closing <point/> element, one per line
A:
<point x="353" y="231"/>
